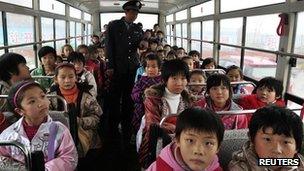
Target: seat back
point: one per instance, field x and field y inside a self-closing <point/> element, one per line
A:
<point x="233" y="141"/>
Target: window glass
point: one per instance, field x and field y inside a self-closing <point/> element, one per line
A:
<point x="87" y="16"/>
<point x="47" y="28"/>
<point x="1" y="31"/>
<point x="178" y="34"/>
<point x="28" y="53"/>
<point x="181" y="15"/>
<point x="207" y="51"/>
<point x="169" y="18"/>
<point x="60" y="29"/>
<point x="231" y="31"/>
<point x="196" y="34"/>
<point x="207" y="30"/>
<point x="168" y="33"/>
<point x="231" y="5"/>
<point x="59" y="45"/>
<point x="20" y="28"/>
<point x="229" y="56"/>
<point x="72" y="34"/>
<point x="25" y="3"/>
<point x="78" y="33"/>
<point x="296" y="84"/>
<point x="75" y="13"/>
<point x="185" y="44"/>
<point x="52" y="6"/>
<point x="204" y="9"/>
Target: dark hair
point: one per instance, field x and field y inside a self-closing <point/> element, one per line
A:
<point x="232" y="67"/>
<point x="207" y="61"/>
<point x="174" y="48"/>
<point x="153" y="41"/>
<point x="46" y="50"/>
<point x="194" y="52"/>
<point x="174" y="67"/>
<point x="186" y="58"/>
<point x="92" y="49"/>
<point x="150" y="57"/>
<point x="159" y="31"/>
<point x="217" y="80"/>
<point x="167" y="45"/>
<point x="9" y="65"/>
<point x="76" y="56"/>
<point x="198" y="72"/>
<point x="281" y="120"/>
<point x="82" y="46"/>
<point x="180" y="48"/>
<point x="155" y="25"/>
<point x="94" y="35"/>
<point x="272" y="84"/>
<point x="62" y="65"/>
<point x="16" y="93"/>
<point x="201" y="120"/>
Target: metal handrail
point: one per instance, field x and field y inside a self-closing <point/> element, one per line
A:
<point x="40" y="42"/>
<point x="244" y="47"/>
<point x="232" y="83"/>
<point x="24" y="150"/>
<point x="42" y="76"/>
<point x="65" y="104"/>
<point x="165" y="118"/>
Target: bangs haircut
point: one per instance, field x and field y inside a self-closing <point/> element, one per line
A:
<point x="194" y="52"/>
<point x="208" y="61"/>
<point x="232" y="67"/>
<point x="151" y="57"/>
<point x="215" y="80"/>
<point x="281" y="120"/>
<point x="198" y="72"/>
<point x="76" y="57"/>
<point x="173" y="68"/>
<point x="271" y="83"/>
<point x="9" y="65"/>
<point x="64" y="65"/>
<point x="200" y="120"/>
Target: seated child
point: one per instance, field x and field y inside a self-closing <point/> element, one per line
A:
<point x="274" y="132"/>
<point x="219" y="98"/>
<point x="189" y="62"/>
<point x="65" y="51"/>
<point x="209" y="63"/>
<point x="196" y="58"/>
<point x="84" y="76"/>
<point x="171" y="55"/>
<point x="47" y="57"/>
<point x="198" y="136"/>
<point x="235" y="74"/>
<point x="268" y="91"/>
<point x="198" y="77"/>
<point x="180" y="53"/>
<point x="170" y="97"/>
<point x="152" y="76"/>
<point x="13" y="69"/>
<point x="36" y="130"/>
<point x="87" y="107"/>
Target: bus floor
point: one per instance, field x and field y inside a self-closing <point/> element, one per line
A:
<point x="113" y="156"/>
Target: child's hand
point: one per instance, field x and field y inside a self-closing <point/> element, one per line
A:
<point x="168" y="127"/>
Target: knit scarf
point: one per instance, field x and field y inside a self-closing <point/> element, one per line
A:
<point x="70" y="95"/>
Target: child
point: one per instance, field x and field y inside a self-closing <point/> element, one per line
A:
<point x="170" y="56"/>
<point x="189" y="62"/>
<point x="47" y="57"/>
<point x="83" y="75"/>
<point x="196" y="58"/>
<point x="198" y="136"/>
<point x="87" y="108"/>
<point x="209" y="63"/>
<point x="36" y="130"/>
<point x="180" y="52"/>
<point x="153" y="45"/>
<point x="152" y="76"/>
<point x="268" y="91"/>
<point x="65" y="51"/>
<point x="13" y="69"/>
<point x="169" y="97"/>
<point x="84" y="50"/>
<point x="161" y="54"/>
<point x="235" y="74"/>
<point x="274" y="132"/>
<point x="199" y="77"/>
<point x="219" y="98"/>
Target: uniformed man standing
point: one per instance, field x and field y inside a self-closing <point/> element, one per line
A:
<point x="122" y="41"/>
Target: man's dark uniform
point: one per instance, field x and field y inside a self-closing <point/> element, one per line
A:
<point x="122" y="41"/>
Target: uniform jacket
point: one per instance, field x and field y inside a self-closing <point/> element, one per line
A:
<point x="247" y="160"/>
<point x="65" y="155"/>
<point x="229" y="121"/>
<point x="137" y="96"/>
<point x="121" y="46"/>
<point x="166" y="161"/>
<point x="89" y="114"/>
<point x="157" y="107"/>
<point x="88" y="77"/>
<point x="45" y="82"/>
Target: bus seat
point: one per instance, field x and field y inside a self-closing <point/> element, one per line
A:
<point x="233" y="141"/>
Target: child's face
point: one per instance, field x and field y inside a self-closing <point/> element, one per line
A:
<point x="195" y="57"/>
<point x="66" y="78"/>
<point x="66" y="51"/>
<point x="266" y="95"/>
<point x="180" y="53"/>
<point x="198" y="149"/>
<point x="152" y="69"/>
<point x="79" y="66"/>
<point x="176" y="84"/>
<point x="210" y="66"/>
<point x="269" y="145"/>
<point x="234" y="75"/>
<point x="196" y="78"/>
<point x="35" y="105"/>
<point x="153" y="46"/>
<point x="219" y="95"/>
<point x="49" y="60"/>
<point x="24" y="72"/>
<point x="161" y="55"/>
<point x="189" y="63"/>
<point x="101" y="52"/>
